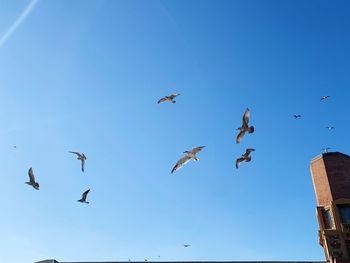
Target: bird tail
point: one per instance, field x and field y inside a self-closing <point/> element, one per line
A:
<point x="251" y="129"/>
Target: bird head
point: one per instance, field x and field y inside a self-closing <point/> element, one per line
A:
<point x="36" y="186"/>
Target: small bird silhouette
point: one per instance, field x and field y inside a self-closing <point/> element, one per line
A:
<point x="324" y="98"/>
<point x="83" y="199"/>
<point x="245" y="157"/>
<point x="326" y="149"/>
<point x="330" y="127"/>
<point x="189" y="155"/>
<point x="169" y="98"/>
<point x="32" y="179"/>
<point x="14" y="146"/>
<point x="245" y="128"/>
<point x="81" y="157"/>
<point x="187" y="245"/>
<point x="296" y="116"/>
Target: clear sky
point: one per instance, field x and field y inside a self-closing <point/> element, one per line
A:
<point x="86" y="76"/>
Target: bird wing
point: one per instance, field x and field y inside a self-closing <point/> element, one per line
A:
<point x="83" y="156"/>
<point x="31" y="175"/>
<point x="240" y="137"/>
<point x="162" y="100"/>
<point x="173" y="95"/>
<point x="180" y="163"/>
<point x="196" y="149"/>
<point x="238" y="161"/>
<point x="245" y="119"/>
<point x="85" y="194"/>
<point x="82" y="164"/>
<point x="249" y="150"/>
<point x="76" y="153"/>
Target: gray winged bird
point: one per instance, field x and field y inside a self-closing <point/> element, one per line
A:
<point x="245" y="157"/>
<point x="83" y="199"/>
<point x="169" y="98"/>
<point x="186" y="245"/>
<point x="32" y="179"/>
<point x="330" y="127"/>
<point x="245" y="128"/>
<point x="324" y="98"/>
<point x="81" y="157"/>
<point x="296" y="116"/>
<point x="189" y="155"/>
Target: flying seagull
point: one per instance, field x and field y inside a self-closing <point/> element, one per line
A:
<point x="32" y="179"/>
<point x="189" y="155"/>
<point x="324" y="98"/>
<point x="330" y="127"/>
<point x="169" y="98"/>
<point x="296" y="116"/>
<point x="187" y="245"/>
<point x="245" y="157"/>
<point x="81" y="157"/>
<point x="245" y="128"/>
<point x="83" y="199"/>
<point x="326" y="149"/>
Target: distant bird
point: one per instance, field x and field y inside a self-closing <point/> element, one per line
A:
<point x="81" y="157"/>
<point x="83" y="199"/>
<point x="169" y="98"/>
<point x="296" y="116"/>
<point x="245" y="128"/>
<point x="245" y="157"/>
<point x="14" y="146"/>
<point x="326" y="149"/>
<point x="330" y="127"/>
<point x="187" y="245"/>
<point x="189" y="155"/>
<point x="32" y="179"/>
<point x="324" y="98"/>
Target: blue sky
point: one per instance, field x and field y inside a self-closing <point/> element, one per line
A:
<point x="86" y="76"/>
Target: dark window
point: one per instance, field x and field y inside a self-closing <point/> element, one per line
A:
<point x="345" y="213"/>
<point x="327" y="219"/>
<point x="347" y="243"/>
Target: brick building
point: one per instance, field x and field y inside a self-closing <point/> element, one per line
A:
<point x="331" y="178"/>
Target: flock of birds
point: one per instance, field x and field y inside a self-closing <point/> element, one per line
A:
<point x="188" y="154"/>
<point x="296" y="116"/>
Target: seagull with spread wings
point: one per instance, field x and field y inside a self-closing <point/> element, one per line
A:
<point x="189" y="155"/>
<point x="83" y="199"/>
<point x="32" y="179"/>
<point x="245" y="157"/>
<point x="186" y="245"/>
<point x="169" y="98"/>
<point x="81" y="157"/>
<point x="296" y="116"/>
<point x="330" y="127"/>
<point x="245" y="128"/>
<point x="324" y="98"/>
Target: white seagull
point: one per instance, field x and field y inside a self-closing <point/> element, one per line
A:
<point x="245" y="128"/>
<point x="330" y="127"/>
<point x="81" y="157"/>
<point x="32" y="179"/>
<point x="326" y="149"/>
<point x="83" y="199"/>
<point x="245" y="157"/>
<point x="169" y="98"/>
<point x="189" y="155"/>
